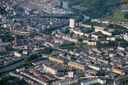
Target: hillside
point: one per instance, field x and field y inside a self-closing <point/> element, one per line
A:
<point x="113" y="10"/>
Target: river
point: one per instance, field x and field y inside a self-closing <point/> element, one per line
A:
<point x="65" y="6"/>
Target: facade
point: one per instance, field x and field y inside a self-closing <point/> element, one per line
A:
<point x="76" y="65"/>
<point x="118" y="71"/>
<point x="50" y="69"/>
<point x="86" y="26"/>
<point x="67" y="81"/>
<point x="72" y="23"/>
<point x="94" y="67"/>
<point x="70" y="74"/>
<point x="90" y="42"/>
<point x="70" y="39"/>
<point x="111" y="38"/>
<point x="20" y="69"/>
<point x="126" y="37"/>
<point x="17" y="54"/>
<point x="78" y="32"/>
<point x="58" y="60"/>
<point x="101" y="29"/>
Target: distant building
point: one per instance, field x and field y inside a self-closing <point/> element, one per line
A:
<point x="118" y="71"/>
<point x="92" y="81"/>
<point x="101" y="29"/>
<point x="50" y="69"/>
<point x="111" y="38"/>
<point x="67" y="81"/>
<point x="76" y="65"/>
<point x="37" y="63"/>
<point x="17" y="54"/>
<point x="20" y="69"/>
<point x="72" y="23"/>
<point x="126" y="36"/>
<point x="56" y="59"/>
<point x="94" y="67"/>
<point x="70" y="74"/>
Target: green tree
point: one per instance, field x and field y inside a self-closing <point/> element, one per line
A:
<point x="126" y="15"/>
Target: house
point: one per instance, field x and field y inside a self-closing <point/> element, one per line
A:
<point x="118" y="71"/>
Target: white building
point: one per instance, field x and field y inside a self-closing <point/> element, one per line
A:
<point x="20" y="69"/>
<point x="92" y="81"/>
<point x="111" y="38"/>
<point x="17" y="54"/>
<point x="72" y="23"/>
<point x="126" y="36"/>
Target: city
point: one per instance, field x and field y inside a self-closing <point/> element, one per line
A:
<point x="43" y="43"/>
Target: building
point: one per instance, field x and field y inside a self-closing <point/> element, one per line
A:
<point x="86" y="26"/>
<point x="72" y="23"/>
<point x="34" y="72"/>
<point x="50" y="69"/>
<point x="37" y="63"/>
<point x="34" y="78"/>
<point x="71" y="39"/>
<point x="92" y="81"/>
<point x="111" y="38"/>
<point x="70" y="74"/>
<point x="91" y="42"/>
<point x="76" y="65"/>
<point x="91" y="72"/>
<point x="101" y="29"/>
<point x="20" y="69"/>
<point x="126" y="36"/>
<point x="78" y="32"/>
<point x="118" y="71"/>
<point x="94" y="67"/>
<point x="55" y="59"/>
<point x="67" y="81"/>
<point x="17" y="54"/>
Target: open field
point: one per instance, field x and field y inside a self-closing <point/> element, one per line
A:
<point x="124" y="0"/>
<point x="118" y="16"/>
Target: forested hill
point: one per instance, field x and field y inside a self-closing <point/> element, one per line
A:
<point x="97" y="8"/>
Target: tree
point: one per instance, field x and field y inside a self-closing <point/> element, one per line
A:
<point x="96" y="84"/>
<point x="101" y="73"/>
<point x="126" y="15"/>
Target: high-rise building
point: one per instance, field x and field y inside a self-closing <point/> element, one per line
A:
<point x="72" y="23"/>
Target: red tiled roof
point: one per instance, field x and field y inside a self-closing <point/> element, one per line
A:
<point x="49" y="76"/>
<point x="43" y="78"/>
<point x="34" y="72"/>
<point x="118" y="70"/>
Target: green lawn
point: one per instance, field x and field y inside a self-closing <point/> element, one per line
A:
<point x="118" y="16"/>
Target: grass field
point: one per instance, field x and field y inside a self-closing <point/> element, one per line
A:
<point x="124" y="0"/>
<point x="118" y="16"/>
